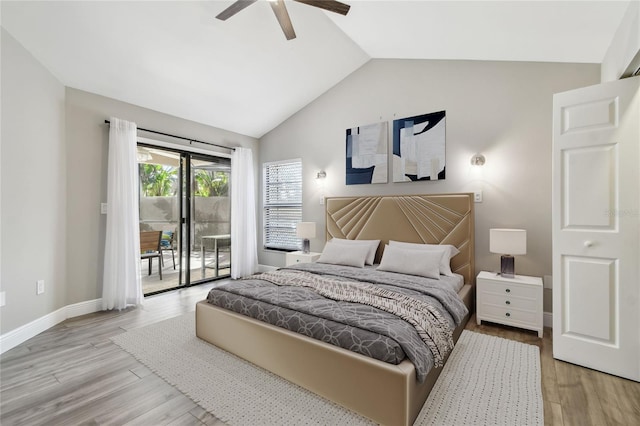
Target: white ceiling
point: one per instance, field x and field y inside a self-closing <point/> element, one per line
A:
<point x="243" y="75"/>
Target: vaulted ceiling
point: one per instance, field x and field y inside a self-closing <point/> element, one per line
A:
<point x="242" y="74"/>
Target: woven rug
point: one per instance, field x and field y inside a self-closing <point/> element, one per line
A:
<point x="487" y="381"/>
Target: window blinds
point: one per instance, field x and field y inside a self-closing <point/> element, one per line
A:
<point x="282" y="200"/>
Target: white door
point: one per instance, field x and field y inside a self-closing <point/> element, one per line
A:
<point x="596" y="231"/>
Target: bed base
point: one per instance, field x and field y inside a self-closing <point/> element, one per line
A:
<point x="385" y="393"/>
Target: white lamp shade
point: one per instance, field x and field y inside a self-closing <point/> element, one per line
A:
<point x="508" y="241"/>
<point x="306" y="229"/>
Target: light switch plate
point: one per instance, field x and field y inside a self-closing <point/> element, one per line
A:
<point x="477" y="196"/>
<point x="103" y="208"/>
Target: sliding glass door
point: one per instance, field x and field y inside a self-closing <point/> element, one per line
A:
<point x="185" y="202"/>
<point x="208" y="209"/>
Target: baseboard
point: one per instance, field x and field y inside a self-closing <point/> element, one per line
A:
<point x="23" y="333"/>
<point x="83" y="308"/>
<point x="547" y="321"/>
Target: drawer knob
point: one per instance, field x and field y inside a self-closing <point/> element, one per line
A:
<point x="588" y="243"/>
<point x="507" y="302"/>
<point x="508" y="290"/>
<point x="508" y="314"/>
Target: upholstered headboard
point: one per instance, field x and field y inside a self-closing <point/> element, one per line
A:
<point x="431" y="219"/>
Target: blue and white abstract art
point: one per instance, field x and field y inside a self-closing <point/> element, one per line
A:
<point x="419" y="145"/>
<point x="367" y="148"/>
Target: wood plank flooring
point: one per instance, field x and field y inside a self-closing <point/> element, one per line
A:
<point x="73" y="374"/>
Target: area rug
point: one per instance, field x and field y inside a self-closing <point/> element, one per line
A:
<point x="487" y="381"/>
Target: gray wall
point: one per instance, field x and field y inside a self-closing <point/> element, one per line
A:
<point x="54" y="177"/>
<point x="500" y="109"/>
<point x="87" y="143"/>
<point x="33" y="188"/>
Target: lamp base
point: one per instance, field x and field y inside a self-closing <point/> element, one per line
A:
<point x="507" y="266"/>
<point x="306" y="246"/>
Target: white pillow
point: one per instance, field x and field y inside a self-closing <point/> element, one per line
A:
<point x="448" y="250"/>
<point x="372" y="244"/>
<point x="341" y="254"/>
<point x="412" y="262"/>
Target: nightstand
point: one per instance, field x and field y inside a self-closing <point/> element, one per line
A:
<point x="511" y="301"/>
<point x="299" y="257"/>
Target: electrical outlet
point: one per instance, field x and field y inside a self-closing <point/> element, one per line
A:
<point x="40" y="287"/>
<point x="477" y="196"/>
<point x="103" y="208"/>
<point x="3" y="300"/>
<point x="322" y="200"/>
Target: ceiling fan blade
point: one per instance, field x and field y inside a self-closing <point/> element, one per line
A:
<point x="234" y="8"/>
<point x="281" y="13"/>
<point x="330" y="5"/>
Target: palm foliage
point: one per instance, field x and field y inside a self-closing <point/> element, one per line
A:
<point x="157" y="180"/>
<point x="211" y="183"/>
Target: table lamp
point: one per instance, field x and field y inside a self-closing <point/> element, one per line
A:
<point x="305" y="230"/>
<point x="508" y="242"/>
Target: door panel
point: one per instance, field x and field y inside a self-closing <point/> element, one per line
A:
<point x="590" y="314"/>
<point x="590" y="115"/>
<point x="596" y="231"/>
<point x="158" y="211"/>
<point x="586" y="205"/>
<point x="210" y="218"/>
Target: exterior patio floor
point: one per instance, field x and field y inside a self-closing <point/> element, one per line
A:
<point x="152" y="283"/>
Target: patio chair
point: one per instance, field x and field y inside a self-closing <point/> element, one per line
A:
<point x="150" y="248"/>
<point x="167" y="244"/>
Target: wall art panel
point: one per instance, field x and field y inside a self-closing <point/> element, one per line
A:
<point x="367" y="148"/>
<point x="419" y="147"/>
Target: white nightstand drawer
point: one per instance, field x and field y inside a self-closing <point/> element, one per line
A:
<point x="299" y="257"/>
<point x="509" y="289"/>
<point x="506" y="315"/>
<point x="510" y="301"/>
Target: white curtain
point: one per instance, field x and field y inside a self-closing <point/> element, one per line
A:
<point x="244" y="245"/>
<point x="121" y="285"/>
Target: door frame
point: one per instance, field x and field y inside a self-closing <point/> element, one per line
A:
<point x="185" y="152"/>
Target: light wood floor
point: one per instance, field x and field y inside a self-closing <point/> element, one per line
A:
<point x="73" y="374"/>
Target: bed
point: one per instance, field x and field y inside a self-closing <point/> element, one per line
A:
<point x="386" y="393"/>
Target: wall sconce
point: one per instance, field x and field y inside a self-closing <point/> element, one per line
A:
<point x="478" y="160"/>
<point x="321" y="174"/>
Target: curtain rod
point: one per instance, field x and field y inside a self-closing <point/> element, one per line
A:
<point x="191" y="140"/>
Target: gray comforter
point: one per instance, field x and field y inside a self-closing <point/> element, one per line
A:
<point x="356" y="327"/>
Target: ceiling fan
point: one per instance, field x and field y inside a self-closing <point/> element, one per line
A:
<point x="281" y="13"/>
